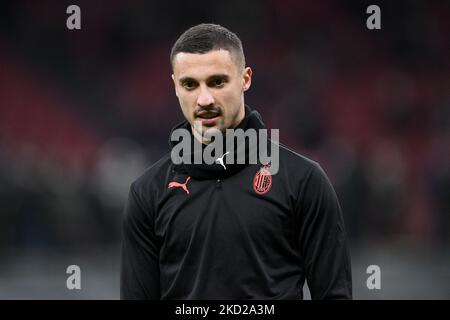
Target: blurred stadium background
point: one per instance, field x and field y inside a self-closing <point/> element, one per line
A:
<point x="82" y="113"/>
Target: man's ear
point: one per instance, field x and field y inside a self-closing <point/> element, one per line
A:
<point x="247" y="78"/>
<point x="175" y="85"/>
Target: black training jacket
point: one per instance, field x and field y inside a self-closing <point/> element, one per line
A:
<point x="202" y="232"/>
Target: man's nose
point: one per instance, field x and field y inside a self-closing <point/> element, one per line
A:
<point x="205" y="98"/>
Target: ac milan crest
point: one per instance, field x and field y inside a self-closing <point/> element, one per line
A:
<point x="262" y="182"/>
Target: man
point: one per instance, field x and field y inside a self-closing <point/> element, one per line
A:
<point x="224" y="229"/>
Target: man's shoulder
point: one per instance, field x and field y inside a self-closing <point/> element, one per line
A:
<point x="307" y="174"/>
<point x="295" y="162"/>
<point x="155" y="173"/>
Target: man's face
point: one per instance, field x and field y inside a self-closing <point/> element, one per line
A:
<point x="210" y="88"/>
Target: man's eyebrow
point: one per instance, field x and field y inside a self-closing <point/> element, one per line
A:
<point x="212" y="77"/>
<point x="219" y="76"/>
<point x="184" y="79"/>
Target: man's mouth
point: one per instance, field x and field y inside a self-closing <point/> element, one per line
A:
<point x="208" y="118"/>
<point x="208" y="115"/>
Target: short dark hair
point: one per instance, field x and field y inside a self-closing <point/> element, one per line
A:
<point x="206" y="37"/>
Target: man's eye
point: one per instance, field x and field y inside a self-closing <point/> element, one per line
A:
<point x="189" y="85"/>
<point x="218" y="82"/>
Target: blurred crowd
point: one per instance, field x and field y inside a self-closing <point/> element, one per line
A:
<point x="84" y="112"/>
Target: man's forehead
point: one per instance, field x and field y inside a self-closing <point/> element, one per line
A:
<point x="194" y="63"/>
